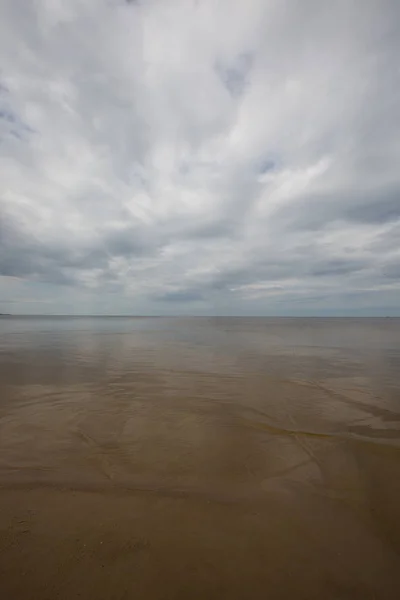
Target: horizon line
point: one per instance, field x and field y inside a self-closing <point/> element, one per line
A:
<point x="193" y="316"/>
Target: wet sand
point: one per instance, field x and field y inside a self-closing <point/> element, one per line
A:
<point x="199" y="458"/>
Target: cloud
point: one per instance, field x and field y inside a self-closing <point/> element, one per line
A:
<point x="183" y="296"/>
<point x="235" y="76"/>
<point x="208" y="157"/>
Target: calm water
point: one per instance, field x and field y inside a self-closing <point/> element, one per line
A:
<point x="199" y="458"/>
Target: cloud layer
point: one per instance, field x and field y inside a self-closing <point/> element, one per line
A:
<point x="200" y="157"/>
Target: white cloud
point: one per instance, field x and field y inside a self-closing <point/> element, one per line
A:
<point x="200" y="156"/>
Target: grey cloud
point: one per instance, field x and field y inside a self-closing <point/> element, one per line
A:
<point x="11" y="125"/>
<point x="391" y="270"/>
<point x="266" y="165"/>
<point x="303" y="264"/>
<point x="209" y="229"/>
<point x="337" y="267"/>
<point x="387" y="241"/>
<point x="24" y="255"/>
<point x="128" y="241"/>
<point x="181" y="296"/>
<point x="153" y="150"/>
<point x="313" y="212"/>
<point x="235" y="76"/>
<point x="382" y="210"/>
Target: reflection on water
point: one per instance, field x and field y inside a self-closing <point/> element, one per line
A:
<point x="262" y="452"/>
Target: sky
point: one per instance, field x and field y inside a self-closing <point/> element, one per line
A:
<point x="200" y="157"/>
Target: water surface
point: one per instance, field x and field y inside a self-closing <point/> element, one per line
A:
<point x="199" y="458"/>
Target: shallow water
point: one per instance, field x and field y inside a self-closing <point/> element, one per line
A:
<point x="199" y="458"/>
